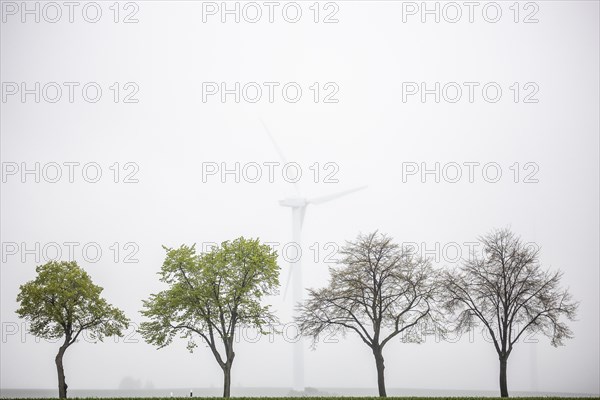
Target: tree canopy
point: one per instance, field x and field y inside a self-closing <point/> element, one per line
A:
<point x="63" y="301"/>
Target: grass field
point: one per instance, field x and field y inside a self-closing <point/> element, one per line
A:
<point x="326" y="398"/>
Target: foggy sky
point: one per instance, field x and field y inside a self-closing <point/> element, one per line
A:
<point x="368" y="134"/>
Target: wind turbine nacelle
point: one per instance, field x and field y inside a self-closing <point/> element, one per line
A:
<point x="293" y="202"/>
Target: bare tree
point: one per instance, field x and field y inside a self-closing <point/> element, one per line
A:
<point x="507" y="291"/>
<point x="378" y="291"/>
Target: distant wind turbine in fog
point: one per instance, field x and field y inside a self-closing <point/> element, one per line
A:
<point x="298" y="204"/>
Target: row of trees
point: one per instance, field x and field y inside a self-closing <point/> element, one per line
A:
<point x="377" y="291"/>
<point x="381" y="289"/>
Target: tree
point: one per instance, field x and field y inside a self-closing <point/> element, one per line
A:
<point x="507" y="291"/>
<point x="378" y="290"/>
<point x="210" y="295"/>
<point x="62" y="301"/>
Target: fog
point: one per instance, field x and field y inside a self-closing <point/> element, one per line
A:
<point x="366" y="128"/>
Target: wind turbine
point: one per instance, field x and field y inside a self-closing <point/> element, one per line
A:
<point x="298" y="205"/>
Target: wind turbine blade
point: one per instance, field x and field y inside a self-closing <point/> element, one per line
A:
<point x="287" y="283"/>
<point x="278" y="149"/>
<point x="325" y="199"/>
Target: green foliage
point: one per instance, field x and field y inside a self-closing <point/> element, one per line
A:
<point x="63" y="301"/>
<point x="211" y="294"/>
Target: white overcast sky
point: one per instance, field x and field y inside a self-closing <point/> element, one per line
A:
<point x="368" y="135"/>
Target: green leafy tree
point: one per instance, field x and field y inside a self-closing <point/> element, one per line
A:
<point x="62" y="301"/>
<point x="210" y="295"/>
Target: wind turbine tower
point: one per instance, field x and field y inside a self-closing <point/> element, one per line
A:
<point x="298" y="206"/>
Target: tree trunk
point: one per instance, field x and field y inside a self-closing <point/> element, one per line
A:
<point x="227" y="380"/>
<point x="503" y="383"/>
<point x="62" y="384"/>
<point x="380" y="371"/>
